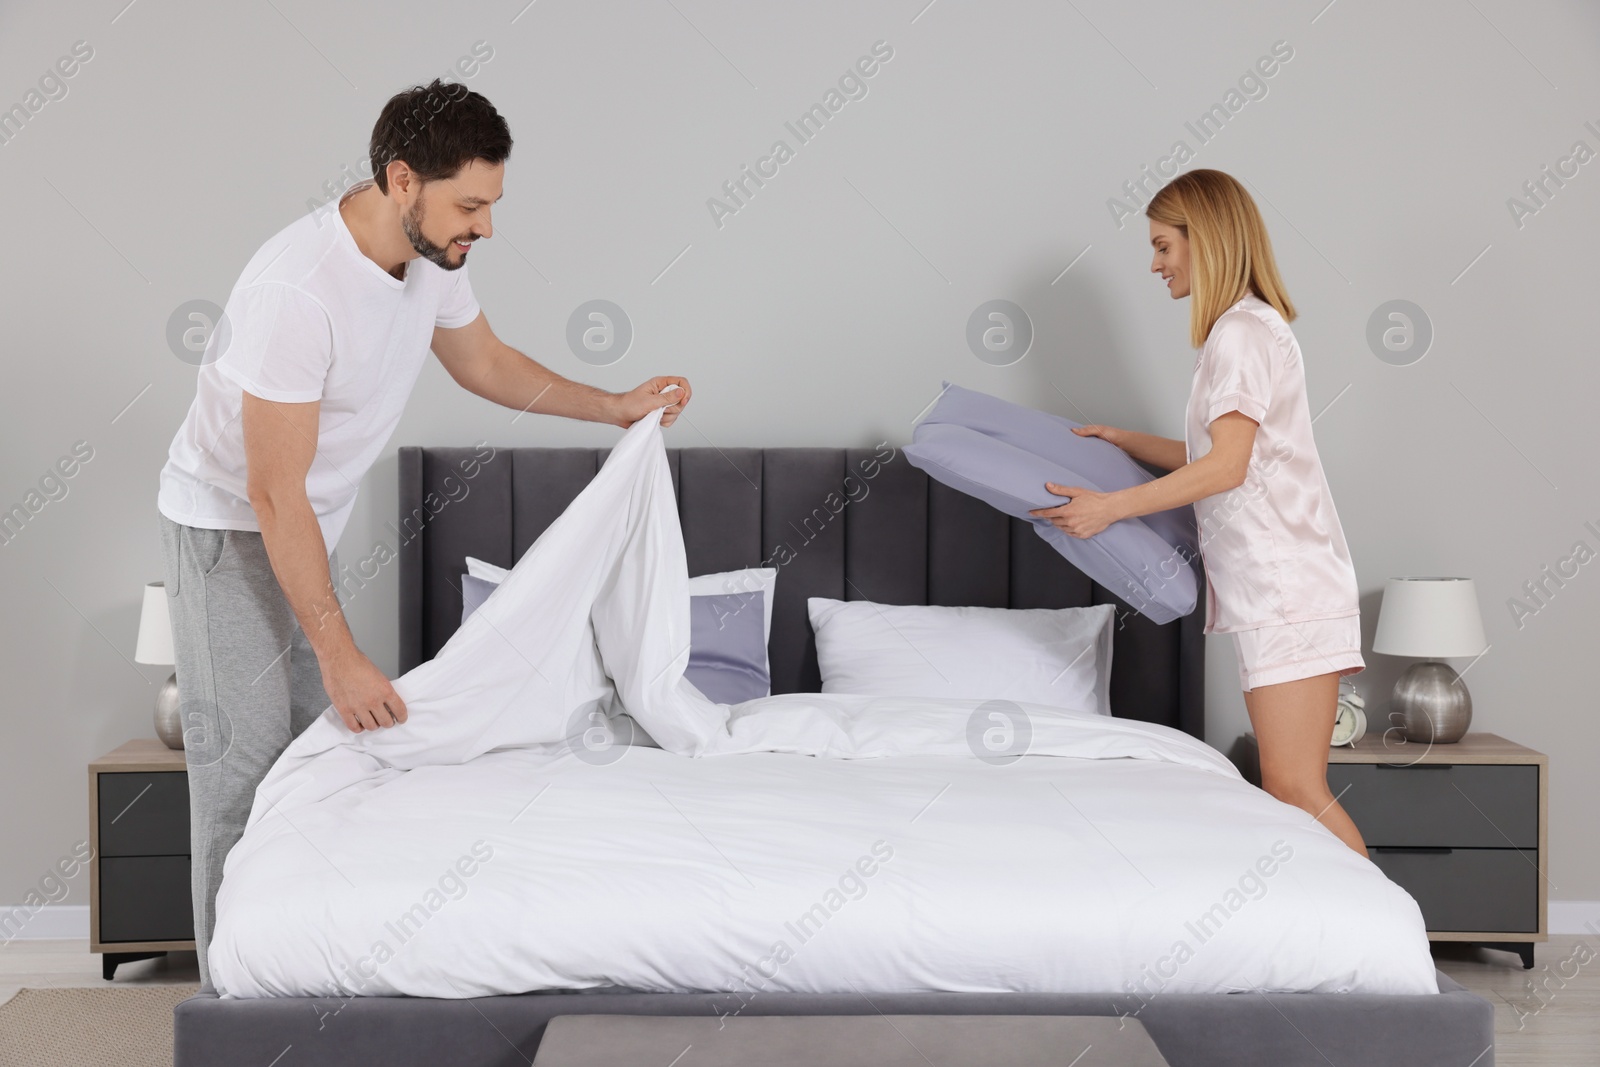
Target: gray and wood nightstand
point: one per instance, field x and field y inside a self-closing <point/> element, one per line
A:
<point x="1461" y="827"/>
<point x="140" y="903"/>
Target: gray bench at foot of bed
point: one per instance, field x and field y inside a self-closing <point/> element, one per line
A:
<point x="1452" y="1029"/>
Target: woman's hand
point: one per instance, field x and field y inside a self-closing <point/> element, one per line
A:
<point x="1105" y="433"/>
<point x="1086" y="514"/>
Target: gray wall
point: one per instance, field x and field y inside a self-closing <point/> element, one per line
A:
<point x="978" y="166"/>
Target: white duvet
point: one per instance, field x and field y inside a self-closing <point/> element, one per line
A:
<point x="802" y="843"/>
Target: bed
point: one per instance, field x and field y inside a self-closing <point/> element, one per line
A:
<point x="904" y="540"/>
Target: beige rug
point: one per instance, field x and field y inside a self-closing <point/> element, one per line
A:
<point x="130" y="1026"/>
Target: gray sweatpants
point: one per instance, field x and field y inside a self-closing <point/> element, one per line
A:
<point x="248" y="684"/>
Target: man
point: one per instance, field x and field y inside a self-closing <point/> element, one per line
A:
<point x="328" y="327"/>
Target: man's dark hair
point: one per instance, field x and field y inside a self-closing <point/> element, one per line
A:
<point x="437" y="129"/>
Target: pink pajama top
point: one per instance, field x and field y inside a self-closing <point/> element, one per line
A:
<point x="1273" y="549"/>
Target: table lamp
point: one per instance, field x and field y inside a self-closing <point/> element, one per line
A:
<point x="155" y="648"/>
<point x="1430" y="618"/>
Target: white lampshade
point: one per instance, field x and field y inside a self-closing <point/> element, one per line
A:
<point x="1430" y="618"/>
<point x="155" y="628"/>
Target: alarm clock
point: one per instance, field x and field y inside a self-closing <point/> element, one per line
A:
<point x="1350" y="724"/>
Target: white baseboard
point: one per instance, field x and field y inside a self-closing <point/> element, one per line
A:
<point x="62" y="921"/>
<point x="53" y="922"/>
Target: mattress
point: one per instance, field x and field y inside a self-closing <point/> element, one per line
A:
<point x="799" y="843"/>
<point x="528" y="870"/>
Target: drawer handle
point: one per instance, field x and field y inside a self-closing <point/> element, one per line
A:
<point x="1413" y="848"/>
<point x="1415" y="766"/>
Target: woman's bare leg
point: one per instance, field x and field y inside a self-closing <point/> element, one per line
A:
<point x="1294" y="728"/>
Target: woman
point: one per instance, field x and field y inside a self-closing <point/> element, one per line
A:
<point x="1278" y="572"/>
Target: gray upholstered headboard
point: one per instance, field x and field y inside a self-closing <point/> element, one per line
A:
<point x="851" y="524"/>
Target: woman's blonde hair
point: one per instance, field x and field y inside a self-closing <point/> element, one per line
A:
<point x="1230" y="253"/>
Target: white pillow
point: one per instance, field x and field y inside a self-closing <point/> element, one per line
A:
<point x="750" y="580"/>
<point x="1058" y="656"/>
<point x="486" y="571"/>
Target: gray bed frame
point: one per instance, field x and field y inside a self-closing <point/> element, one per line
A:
<point x="849" y="524"/>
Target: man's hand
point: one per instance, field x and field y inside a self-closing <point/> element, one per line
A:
<point x="360" y="692"/>
<point x="634" y="405"/>
<point x="1085" y="515"/>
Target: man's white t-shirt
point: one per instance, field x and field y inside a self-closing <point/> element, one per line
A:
<point x="311" y="318"/>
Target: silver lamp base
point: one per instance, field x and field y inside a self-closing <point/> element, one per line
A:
<point x="1432" y="703"/>
<point x="169" y="723"/>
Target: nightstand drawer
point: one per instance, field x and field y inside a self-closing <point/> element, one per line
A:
<point x="1459" y="805"/>
<point x="145" y="898"/>
<point x="1472" y="890"/>
<point x="144" y="814"/>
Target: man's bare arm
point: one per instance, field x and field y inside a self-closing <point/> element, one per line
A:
<point x="280" y="444"/>
<point x="483" y="364"/>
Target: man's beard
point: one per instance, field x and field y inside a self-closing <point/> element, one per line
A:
<point x="411" y="223"/>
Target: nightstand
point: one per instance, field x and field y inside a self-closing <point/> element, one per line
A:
<point x="1462" y="828"/>
<point x="140" y="902"/>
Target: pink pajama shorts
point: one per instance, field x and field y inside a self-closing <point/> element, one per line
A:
<point x="1272" y="654"/>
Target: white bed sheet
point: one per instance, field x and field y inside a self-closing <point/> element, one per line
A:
<point x="796" y="843"/>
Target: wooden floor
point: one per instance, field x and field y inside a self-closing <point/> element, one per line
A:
<point x="1549" y="1016"/>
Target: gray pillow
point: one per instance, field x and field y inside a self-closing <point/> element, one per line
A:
<point x="727" y="640"/>
<point x="1100" y="465"/>
<point x="727" y="647"/>
<point x="1003" y="454"/>
<point x="474" y="591"/>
